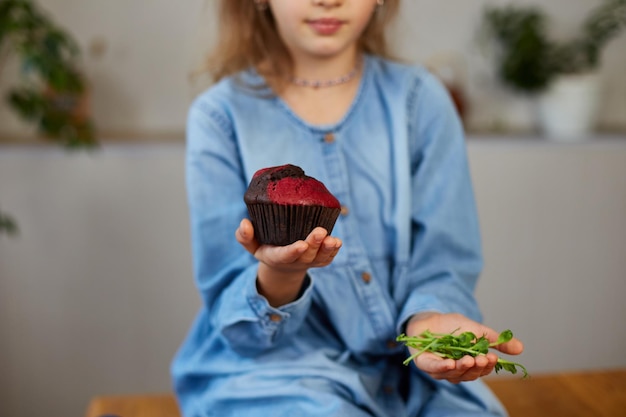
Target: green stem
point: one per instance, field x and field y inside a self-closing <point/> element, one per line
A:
<point x="416" y="354"/>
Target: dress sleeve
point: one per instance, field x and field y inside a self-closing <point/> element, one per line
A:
<point x="445" y="246"/>
<point x="224" y="272"/>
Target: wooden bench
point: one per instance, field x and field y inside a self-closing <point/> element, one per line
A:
<point x="580" y="394"/>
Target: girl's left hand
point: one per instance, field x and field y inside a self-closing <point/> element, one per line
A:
<point x="467" y="368"/>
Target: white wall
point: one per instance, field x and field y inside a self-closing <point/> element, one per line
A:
<point x="553" y="218"/>
<point x="96" y="293"/>
<point x="138" y="56"/>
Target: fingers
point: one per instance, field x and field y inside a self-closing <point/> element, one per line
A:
<point x="492" y="359"/>
<point x="302" y="254"/>
<point x="321" y="248"/>
<point x="317" y="250"/>
<point x="245" y="236"/>
<point x="433" y="364"/>
<point x="512" y="347"/>
<point x="467" y="368"/>
<point x="268" y="254"/>
<point x="328" y="250"/>
<point x="314" y="241"/>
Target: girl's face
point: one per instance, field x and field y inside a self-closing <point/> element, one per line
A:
<point x="321" y="28"/>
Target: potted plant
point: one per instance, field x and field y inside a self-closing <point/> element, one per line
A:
<point x="51" y="91"/>
<point x="7" y="224"/>
<point x="529" y="61"/>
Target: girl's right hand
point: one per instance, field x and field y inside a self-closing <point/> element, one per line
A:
<point x="317" y="250"/>
<point x="282" y="269"/>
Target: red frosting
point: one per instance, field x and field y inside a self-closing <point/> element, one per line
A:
<point x="288" y="185"/>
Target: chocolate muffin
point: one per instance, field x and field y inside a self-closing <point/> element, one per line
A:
<point x="285" y="205"/>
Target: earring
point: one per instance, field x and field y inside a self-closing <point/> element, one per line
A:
<point x="261" y="5"/>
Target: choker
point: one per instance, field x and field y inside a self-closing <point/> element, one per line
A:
<point x="302" y="82"/>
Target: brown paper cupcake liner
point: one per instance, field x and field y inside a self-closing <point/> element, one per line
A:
<point x="281" y="225"/>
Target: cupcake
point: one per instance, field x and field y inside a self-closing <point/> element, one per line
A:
<point x="285" y="205"/>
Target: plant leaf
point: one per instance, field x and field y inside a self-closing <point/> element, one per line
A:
<point x="504" y="337"/>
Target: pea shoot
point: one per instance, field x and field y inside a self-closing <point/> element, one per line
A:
<point x="449" y="345"/>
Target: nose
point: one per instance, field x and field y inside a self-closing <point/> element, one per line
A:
<point x="327" y="3"/>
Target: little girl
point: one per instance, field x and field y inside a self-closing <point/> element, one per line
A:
<point x="308" y="329"/>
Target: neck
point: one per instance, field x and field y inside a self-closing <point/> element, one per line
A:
<point x="325" y="69"/>
<point x="329" y="82"/>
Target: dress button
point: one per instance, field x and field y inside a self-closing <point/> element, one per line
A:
<point x="366" y="277"/>
<point x="344" y="211"/>
<point x="388" y="389"/>
<point x="392" y="344"/>
<point x="329" y="137"/>
<point x="275" y="317"/>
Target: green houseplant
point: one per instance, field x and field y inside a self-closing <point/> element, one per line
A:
<point x="529" y="60"/>
<point x="51" y="89"/>
<point x="563" y="76"/>
<point x="7" y="224"/>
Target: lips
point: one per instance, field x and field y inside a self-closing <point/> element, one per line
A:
<point x="325" y="26"/>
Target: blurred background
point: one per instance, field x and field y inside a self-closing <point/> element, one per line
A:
<point x="96" y="290"/>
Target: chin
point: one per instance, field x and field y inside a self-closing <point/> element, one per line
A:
<point x="327" y="50"/>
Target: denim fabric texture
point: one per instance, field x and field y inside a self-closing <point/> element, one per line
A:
<point x="411" y="244"/>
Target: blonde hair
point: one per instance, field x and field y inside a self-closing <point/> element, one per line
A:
<point x="248" y="38"/>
